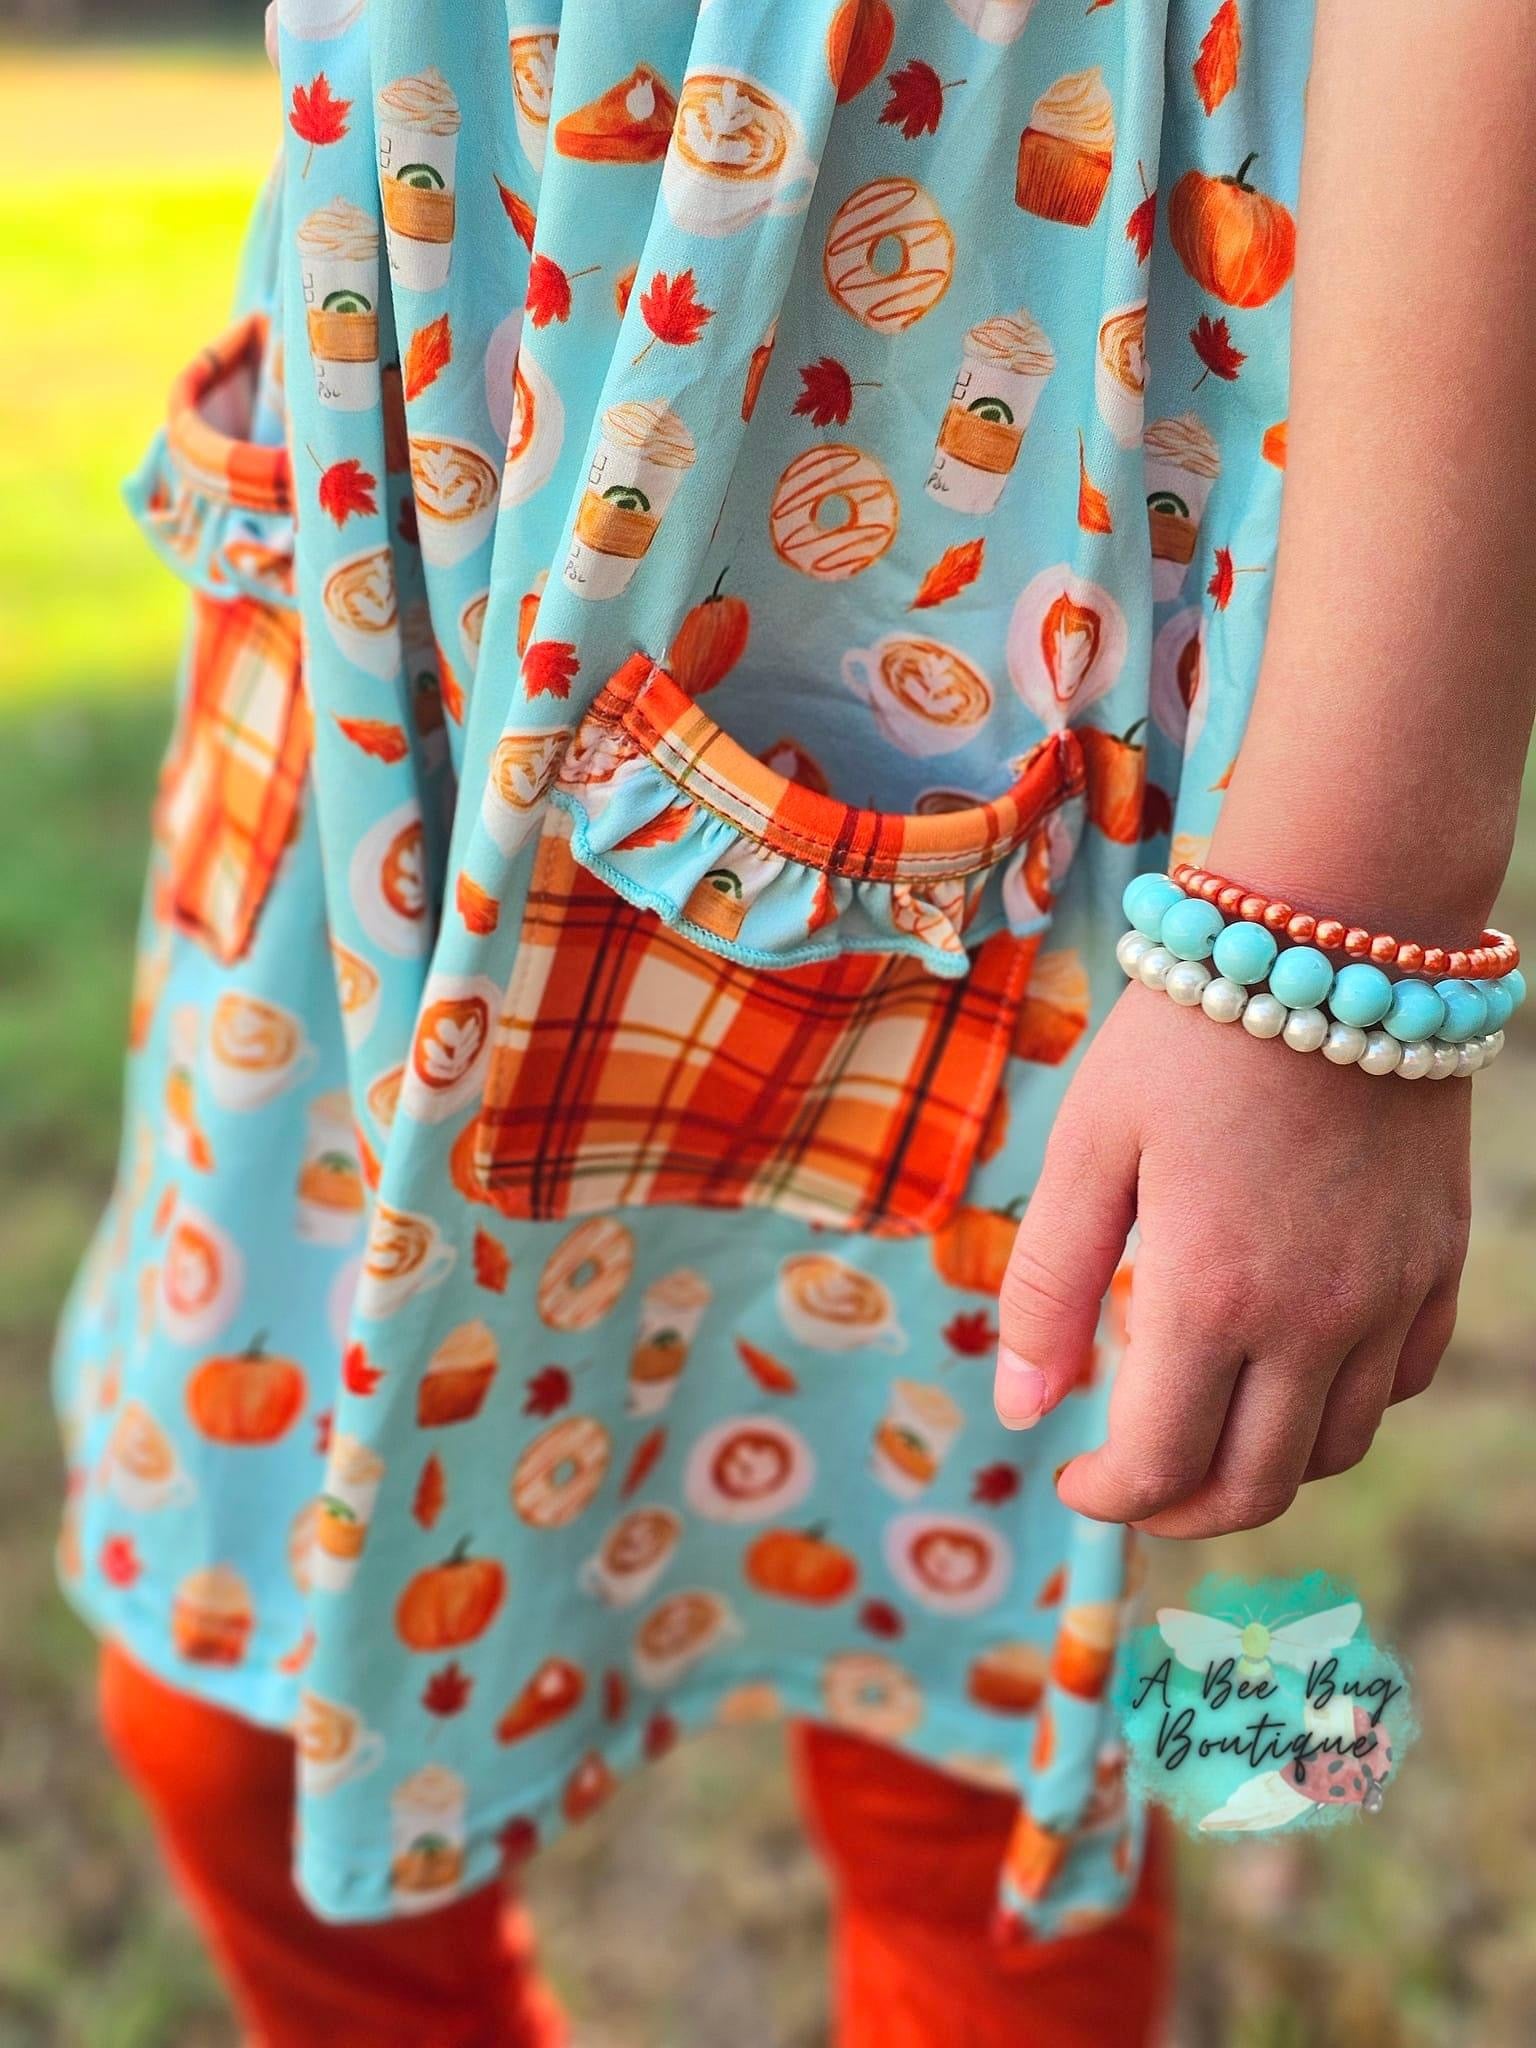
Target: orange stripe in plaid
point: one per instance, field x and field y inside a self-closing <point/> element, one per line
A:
<point x="244" y="474"/>
<point x="632" y="1067"/>
<point x="231" y="796"/>
<point x="645" y="702"/>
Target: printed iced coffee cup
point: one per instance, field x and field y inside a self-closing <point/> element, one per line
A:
<point x="317" y="21"/>
<point x="671" y="1310"/>
<point x="914" y="1437"/>
<point x="1182" y="463"/>
<point x="1002" y="374"/>
<point x="343" y="1513"/>
<point x="339" y="275"/>
<point x="330" y="1189"/>
<point x="418" y="129"/>
<point x="722" y="896"/>
<point x="640" y="461"/>
<point x="531" y="55"/>
<point x="427" y="1825"/>
<point x="995" y="21"/>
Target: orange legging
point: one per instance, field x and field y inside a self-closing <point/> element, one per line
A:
<point x="913" y="1855"/>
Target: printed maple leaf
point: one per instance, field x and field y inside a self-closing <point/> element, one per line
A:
<point x="447" y="1691"/>
<point x="431" y="1495"/>
<point x="377" y="736"/>
<point x="548" y="1391"/>
<point x="663" y="830"/>
<point x="671" y="308"/>
<point x="518" y="1840"/>
<point x="1221" y="53"/>
<point x="1093" y="512"/>
<point x="478" y="907"/>
<point x="955" y="570"/>
<point x="1141" y="228"/>
<point x="770" y="1375"/>
<point x="826" y="393"/>
<point x="1156" y="812"/>
<point x="347" y="488"/>
<point x="915" y="101"/>
<point x="549" y="668"/>
<point x="493" y="1263"/>
<point x="994" y="1485"/>
<point x="518" y="211"/>
<point x="358" y="1376"/>
<point x="430" y="353"/>
<point x="118" y="1561"/>
<point x="294" y="1661"/>
<point x="318" y="117"/>
<point x="549" y="292"/>
<point x="449" y="688"/>
<point x="880" y="1618"/>
<point x="1224" y="580"/>
<point x="615" y="1696"/>
<point x="661" y="1735"/>
<point x="971" y="1334"/>
<point x="323" y="1434"/>
<point x="1052" y="1587"/>
<point x="623" y="287"/>
<point x="1212" y="340"/>
<point x="549" y="289"/>
<point x="647" y="1456"/>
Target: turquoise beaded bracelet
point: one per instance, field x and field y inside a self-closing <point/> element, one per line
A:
<point x="1354" y="1015"/>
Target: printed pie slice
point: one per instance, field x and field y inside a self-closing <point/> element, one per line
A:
<point x="630" y="123"/>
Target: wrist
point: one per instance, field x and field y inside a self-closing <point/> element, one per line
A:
<point x="1411" y="893"/>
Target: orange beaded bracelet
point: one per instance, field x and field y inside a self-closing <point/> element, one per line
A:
<point x="1495" y="952"/>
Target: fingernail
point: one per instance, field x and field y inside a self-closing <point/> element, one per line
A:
<point x="1020" y="1391"/>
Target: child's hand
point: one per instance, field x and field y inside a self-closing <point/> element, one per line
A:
<point x="1302" y="1235"/>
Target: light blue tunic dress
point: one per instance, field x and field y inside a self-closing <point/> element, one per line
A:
<point x="729" y="529"/>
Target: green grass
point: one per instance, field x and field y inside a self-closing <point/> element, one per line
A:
<point x="688" y="1916"/>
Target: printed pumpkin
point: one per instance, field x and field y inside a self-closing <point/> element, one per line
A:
<point x="1235" y="241"/>
<point x="451" y="1603"/>
<point x="792" y="1564"/>
<point x="973" y="1249"/>
<point x="247" y="1397"/>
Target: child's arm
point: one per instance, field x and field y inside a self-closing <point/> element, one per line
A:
<point x="1304" y="1226"/>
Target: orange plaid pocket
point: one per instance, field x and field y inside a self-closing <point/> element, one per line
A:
<point x="232" y="789"/>
<point x="645" y="1059"/>
<point x="234" y="779"/>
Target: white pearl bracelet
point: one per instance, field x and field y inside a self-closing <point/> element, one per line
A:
<point x="1192" y="985"/>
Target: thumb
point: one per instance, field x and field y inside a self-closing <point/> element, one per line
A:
<point x="1070" y="1241"/>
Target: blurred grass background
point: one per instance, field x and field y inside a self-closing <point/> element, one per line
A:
<point x="689" y="1915"/>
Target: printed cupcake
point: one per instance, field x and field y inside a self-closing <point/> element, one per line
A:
<point x="211" y="1619"/>
<point x="1066" y="151"/>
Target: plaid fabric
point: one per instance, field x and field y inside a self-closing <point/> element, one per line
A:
<point x="668" y="726"/>
<point x="230" y="800"/>
<point x="246" y="474"/>
<point x="630" y="1066"/>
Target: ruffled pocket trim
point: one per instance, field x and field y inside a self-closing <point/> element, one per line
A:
<point x="218" y="507"/>
<point x="680" y="819"/>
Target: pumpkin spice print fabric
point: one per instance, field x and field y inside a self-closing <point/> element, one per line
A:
<point x="735" y="513"/>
